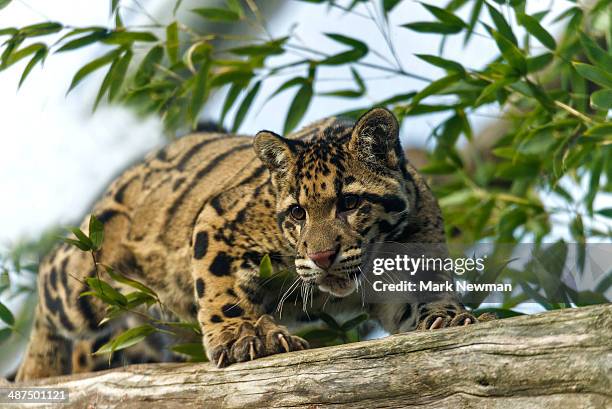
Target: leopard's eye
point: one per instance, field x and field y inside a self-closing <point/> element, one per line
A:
<point x="349" y="202"/>
<point x="297" y="212"/>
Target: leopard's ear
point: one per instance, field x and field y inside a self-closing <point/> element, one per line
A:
<point x="375" y="138"/>
<point x="274" y="151"/>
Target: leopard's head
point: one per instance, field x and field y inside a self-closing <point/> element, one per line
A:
<point x="343" y="188"/>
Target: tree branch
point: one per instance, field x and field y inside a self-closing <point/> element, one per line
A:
<point x="560" y="358"/>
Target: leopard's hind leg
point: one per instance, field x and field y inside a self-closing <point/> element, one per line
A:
<point x="48" y="353"/>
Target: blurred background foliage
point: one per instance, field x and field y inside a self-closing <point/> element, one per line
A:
<point x="514" y="183"/>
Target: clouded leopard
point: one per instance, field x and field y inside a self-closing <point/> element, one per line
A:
<point x="194" y="220"/>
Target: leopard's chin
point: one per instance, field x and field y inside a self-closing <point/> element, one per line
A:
<point x="338" y="286"/>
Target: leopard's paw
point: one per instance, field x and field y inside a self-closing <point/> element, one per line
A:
<point x="248" y="341"/>
<point x="442" y="319"/>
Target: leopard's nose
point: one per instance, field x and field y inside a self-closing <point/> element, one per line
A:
<point x="323" y="259"/>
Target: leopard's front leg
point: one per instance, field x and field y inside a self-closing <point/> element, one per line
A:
<point x="446" y="311"/>
<point x="230" y="305"/>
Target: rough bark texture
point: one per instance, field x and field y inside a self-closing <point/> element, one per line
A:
<point x="556" y="359"/>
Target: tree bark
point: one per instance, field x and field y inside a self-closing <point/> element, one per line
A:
<point x="556" y="359"/>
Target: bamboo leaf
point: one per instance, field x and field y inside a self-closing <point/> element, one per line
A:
<point x="127" y="339"/>
<point x="535" y="29"/>
<point x="93" y="66"/>
<point x="448" y="65"/>
<point x="41" y="29"/>
<point x="120" y="278"/>
<point x="217" y="14"/>
<point x="594" y="74"/>
<point x="128" y="37"/>
<point x="444" y="16"/>
<point x="146" y="70"/>
<point x="298" y="107"/>
<point x="595" y="53"/>
<point x="265" y="267"/>
<point x="200" y="90"/>
<point x="119" y="71"/>
<point x="84" y="41"/>
<point x="172" y="42"/>
<point x="509" y="51"/>
<point x="432" y="27"/>
<point x="602" y="99"/>
<point x="96" y="232"/>
<point x="6" y="315"/>
<point x="502" y="25"/>
<point x="245" y="105"/>
<point x="39" y="56"/>
<point x="230" y="98"/>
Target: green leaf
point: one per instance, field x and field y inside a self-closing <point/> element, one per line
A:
<point x="474" y="15"/>
<point x="329" y="320"/>
<point x="24" y="52"/>
<point x="298" y="107"/>
<point x="603" y="130"/>
<point x="41" y="29"/>
<point x="435" y="87"/>
<point x="231" y="76"/>
<point x="448" y="65"/>
<point x="502" y="25"/>
<point x="82" y="237"/>
<point x="96" y="232"/>
<point x="288" y="84"/>
<point x="200" y="90"/>
<point x="119" y="71"/>
<point x="349" y="93"/>
<point x="358" y="50"/>
<point x="105" y="292"/>
<point x="389" y="5"/>
<point x="6" y="315"/>
<point x="172" y="42"/>
<point x="77" y="244"/>
<point x="84" y="41"/>
<point x="230" y="98"/>
<point x="93" y="66"/>
<point x="195" y="350"/>
<point x="265" y="267"/>
<point x="594" y="74"/>
<point x="319" y="335"/>
<point x="5" y="333"/>
<point x="269" y="48"/>
<point x="539" y="62"/>
<point x="602" y="99"/>
<point x="146" y="70"/>
<point x="432" y="27"/>
<point x="596" y="54"/>
<point x="534" y="28"/>
<point x="354" y="322"/>
<point x="127" y="339"/>
<point x="217" y="14"/>
<point x="607" y="212"/>
<point x="245" y="105"/>
<point x="445" y="16"/>
<point x="236" y="7"/>
<point x="4" y="3"/>
<point x="351" y="42"/>
<point x="128" y="37"/>
<point x="9" y="31"/>
<point x="509" y="51"/>
<point x="120" y="278"/>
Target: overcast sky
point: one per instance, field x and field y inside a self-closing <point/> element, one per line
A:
<point x="55" y="156"/>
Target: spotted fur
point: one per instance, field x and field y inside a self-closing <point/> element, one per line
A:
<point x="195" y="218"/>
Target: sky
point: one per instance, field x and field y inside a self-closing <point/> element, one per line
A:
<point x="56" y="156"/>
